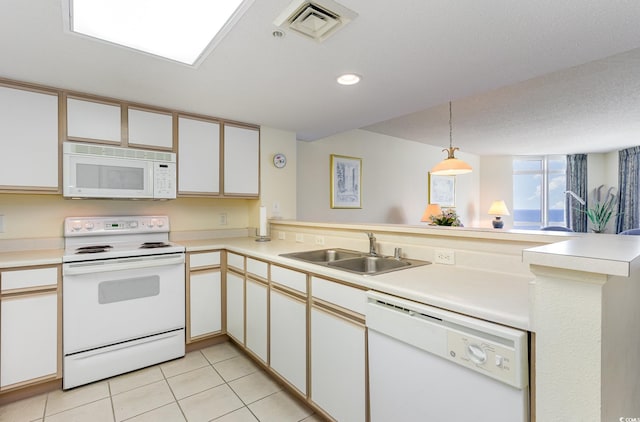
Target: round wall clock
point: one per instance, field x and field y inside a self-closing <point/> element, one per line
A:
<point x="279" y="160"/>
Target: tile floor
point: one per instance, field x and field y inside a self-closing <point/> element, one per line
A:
<point x="218" y="383"/>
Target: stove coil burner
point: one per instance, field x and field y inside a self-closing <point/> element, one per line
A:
<point x="93" y="249"/>
<point x="152" y="245"/>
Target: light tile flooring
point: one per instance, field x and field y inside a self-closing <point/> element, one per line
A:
<point x="218" y="383"/>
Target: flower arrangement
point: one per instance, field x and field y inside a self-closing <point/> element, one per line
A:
<point x="603" y="208"/>
<point x="447" y="218"/>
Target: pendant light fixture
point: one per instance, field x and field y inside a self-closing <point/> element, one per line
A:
<point x="451" y="166"/>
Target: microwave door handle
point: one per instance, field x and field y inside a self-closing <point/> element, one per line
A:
<point x="77" y="268"/>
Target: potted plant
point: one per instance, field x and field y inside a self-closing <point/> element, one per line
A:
<point x="447" y="218"/>
<point x="602" y="208"/>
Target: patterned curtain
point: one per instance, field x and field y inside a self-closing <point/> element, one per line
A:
<point x="575" y="212"/>
<point x="629" y="186"/>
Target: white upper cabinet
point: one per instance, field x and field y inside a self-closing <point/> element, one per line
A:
<point x="198" y="156"/>
<point x="150" y="129"/>
<point x="29" y="137"/>
<point x="241" y="161"/>
<point x="92" y="120"/>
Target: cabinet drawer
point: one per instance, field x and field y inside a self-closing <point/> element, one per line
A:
<point x="22" y="279"/>
<point x="205" y="259"/>
<point x="236" y="261"/>
<point x="289" y="278"/>
<point x="339" y="294"/>
<point x="257" y="268"/>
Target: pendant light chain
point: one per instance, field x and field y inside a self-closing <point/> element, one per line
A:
<point x="450" y="128"/>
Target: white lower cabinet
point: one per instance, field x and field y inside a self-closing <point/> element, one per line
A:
<point x="338" y="366"/>
<point x="235" y="306"/>
<point x="256" y="314"/>
<point x="205" y="303"/>
<point x="288" y="341"/>
<point x="28" y="337"/>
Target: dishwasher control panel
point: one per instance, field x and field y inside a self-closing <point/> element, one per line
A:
<point x="491" y="358"/>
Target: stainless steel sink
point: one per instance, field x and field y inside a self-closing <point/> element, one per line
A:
<point x="354" y="261"/>
<point x="323" y="255"/>
<point x="369" y="264"/>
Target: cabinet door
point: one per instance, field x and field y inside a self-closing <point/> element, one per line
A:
<point x="289" y="338"/>
<point x="150" y="129"/>
<point x="29" y="133"/>
<point x="241" y="161"/>
<point x="257" y="318"/>
<point x="205" y="303"/>
<point x="338" y="366"/>
<point x="92" y="120"/>
<point x="28" y="337"/>
<point x="198" y="156"/>
<point x="235" y="306"/>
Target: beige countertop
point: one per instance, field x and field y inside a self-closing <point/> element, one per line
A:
<point x="492" y="296"/>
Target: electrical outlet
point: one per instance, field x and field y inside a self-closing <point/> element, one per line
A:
<point x="299" y="237"/>
<point x="222" y="219"/>
<point x="282" y="235"/>
<point x="319" y="240"/>
<point x="444" y="256"/>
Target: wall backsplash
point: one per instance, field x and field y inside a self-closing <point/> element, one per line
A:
<point x="41" y="216"/>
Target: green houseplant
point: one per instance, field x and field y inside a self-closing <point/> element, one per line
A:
<point x="602" y="208"/>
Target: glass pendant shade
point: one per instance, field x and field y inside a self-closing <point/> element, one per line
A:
<point x="451" y="165"/>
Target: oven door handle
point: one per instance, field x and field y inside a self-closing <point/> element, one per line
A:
<point x="76" y="268"/>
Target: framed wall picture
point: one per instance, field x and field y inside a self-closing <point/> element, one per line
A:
<point x="346" y="177"/>
<point x="442" y="190"/>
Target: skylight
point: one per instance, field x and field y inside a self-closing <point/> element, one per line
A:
<point x="184" y="31"/>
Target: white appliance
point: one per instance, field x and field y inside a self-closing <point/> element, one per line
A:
<point x="123" y="296"/>
<point x="102" y="171"/>
<point x="428" y="364"/>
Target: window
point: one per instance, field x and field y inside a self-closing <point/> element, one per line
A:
<point x="539" y="184"/>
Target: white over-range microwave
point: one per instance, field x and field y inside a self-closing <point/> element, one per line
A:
<point x="103" y="171"/>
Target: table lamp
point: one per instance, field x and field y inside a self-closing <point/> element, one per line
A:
<point x="432" y="209"/>
<point x="498" y="209"/>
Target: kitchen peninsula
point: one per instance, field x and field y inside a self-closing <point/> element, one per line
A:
<point x="573" y="292"/>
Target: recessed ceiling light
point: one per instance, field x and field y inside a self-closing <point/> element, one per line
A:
<point x="184" y="31"/>
<point x="348" y="79"/>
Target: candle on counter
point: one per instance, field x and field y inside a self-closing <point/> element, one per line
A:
<point x="262" y="231"/>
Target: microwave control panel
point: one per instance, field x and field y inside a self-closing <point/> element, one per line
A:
<point x="164" y="180"/>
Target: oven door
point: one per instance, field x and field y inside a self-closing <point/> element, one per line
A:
<point x="103" y="177"/>
<point x="112" y="301"/>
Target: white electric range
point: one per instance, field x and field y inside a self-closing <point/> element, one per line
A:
<point x="123" y="296"/>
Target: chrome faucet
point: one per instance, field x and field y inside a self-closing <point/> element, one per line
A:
<point x="372" y="245"/>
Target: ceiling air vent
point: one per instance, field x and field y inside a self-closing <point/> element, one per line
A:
<point x="315" y="19"/>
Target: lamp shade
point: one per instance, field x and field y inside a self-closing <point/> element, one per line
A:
<point x="451" y="166"/>
<point x="432" y="209"/>
<point x="498" y="208"/>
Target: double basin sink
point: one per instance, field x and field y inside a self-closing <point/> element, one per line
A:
<point x="354" y="261"/>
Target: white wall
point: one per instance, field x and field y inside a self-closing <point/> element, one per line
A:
<point x="277" y="186"/>
<point x="496" y="183"/>
<point x="394" y="179"/>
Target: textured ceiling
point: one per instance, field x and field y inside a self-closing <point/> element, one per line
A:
<point x="414" y="56"/>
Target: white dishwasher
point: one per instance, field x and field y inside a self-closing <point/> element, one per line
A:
<point x="428" y="364"/>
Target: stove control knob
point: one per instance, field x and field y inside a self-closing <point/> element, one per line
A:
<point x="76" y="225"/>
<point x="88" y="225"/>
<point x="133" y="224"/>
<point x="159" y="223"/>
<point x="151" y="223"/>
